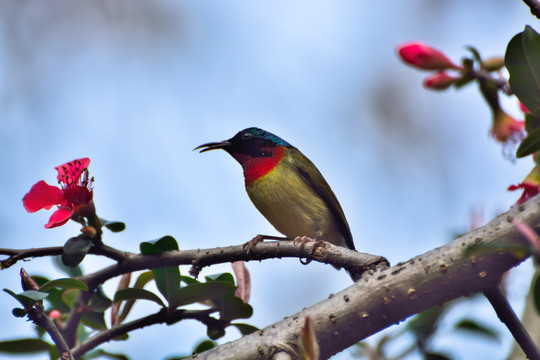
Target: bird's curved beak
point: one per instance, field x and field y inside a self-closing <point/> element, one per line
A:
<point x="213" y="146"/>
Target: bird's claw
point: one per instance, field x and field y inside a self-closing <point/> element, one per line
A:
<point x="248" y="246"/>
<point x="302" y="240"/>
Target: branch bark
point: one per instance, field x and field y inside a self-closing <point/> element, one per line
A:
<point x="388" y="296"/>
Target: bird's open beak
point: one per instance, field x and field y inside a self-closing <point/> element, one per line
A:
<point x="213" y="146"/>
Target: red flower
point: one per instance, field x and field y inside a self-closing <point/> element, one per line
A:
<point x="74" y="197"/>
<point x="439" y="80"/>
<point x="530" y="186"/>
<point x="424" y="57"/>
<point x="506" y="128"/>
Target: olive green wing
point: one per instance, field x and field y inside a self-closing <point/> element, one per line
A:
<point x="314" y="179"/>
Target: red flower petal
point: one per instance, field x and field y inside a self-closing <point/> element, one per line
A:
<point x="42" y="196"/>
<point x="424" y="57"/>
<point x="70" y="172"/>
<point x="59" y="217"/>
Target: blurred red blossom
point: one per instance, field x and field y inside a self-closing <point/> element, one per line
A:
<point x="530" y="186"/>
<point x="439" y="80"/>
<point x="424" y="57"/>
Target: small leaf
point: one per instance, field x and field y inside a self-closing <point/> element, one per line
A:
<point x="522" y="59"/>
<point x="99" y="302"/>
<point x="114" y="226"/>
<point x="227" y="277"/>
<point x="529" y="145"/>
<point x="475" y="327"/>
<point x="245" y="329"/>
<point x="143" y="279"/>
<point x="33" y="295"/>
<point x="167" y="278"/>
<point x="233" y="308"/>
<point x="74" y="251"/>
<point x="137" y="294"/>
<point x="94" y="320"/>
<point x="71" y="272"/>
<point x="435" y="356"/>
<point x="204" y="345"/>
<point x="24" y="346"/>
<point x="69" y="297"/>
<point x="66" y="283"/>
<point x="309" y="346"/>
<point x="215" y="333"/>
<point x="202" y="291"/>
<point x="518" y="251"/>
<point x="188" y="280"/>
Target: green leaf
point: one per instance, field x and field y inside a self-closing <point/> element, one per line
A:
<point x="475" y="327"/>
<point x="137" y="294"/>
<point x="435" y="356"/>
<point x="99" y="302"/>
<point x="168" y="278"/>
<point x="245" y="329"/>
<point x="94" y="320"/>
<point x="531" y="123"/>
<point x="66" y="283"/>
<point x="529" y="145"/>
<point x="522" y="59"/>
<point x="74" y="251"/>
<point x="71" y="272"/>
<point x="27" y="298"/>
<point x="202" y="291"/>
<point x="204" y="345"/>
<point x="114" y="226"/>
<point x="143" y="279"/>
<point x="188" y="280"/>
<point x="24" y="346"/>
<point x="215" y="333"/>
<point x="232" y="308"/>
<point x="227" y="277"/>
<point x="69" y="297"/>
<point x="536" y="293"/>
<point x="518" y="251"/>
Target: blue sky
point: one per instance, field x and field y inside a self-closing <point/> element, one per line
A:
<point x="136" y="86"/>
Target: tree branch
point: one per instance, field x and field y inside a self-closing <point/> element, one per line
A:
<point x="388" y="296"/>
<point x="38" y="317"/>
<point x="508" y="317"/>
<point x="160" y="317"/>
<point x="534" y="5"/>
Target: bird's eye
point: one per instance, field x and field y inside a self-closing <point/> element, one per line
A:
<point x="246" y="135"/>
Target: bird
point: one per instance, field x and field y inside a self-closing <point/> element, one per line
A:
<point x="287" y="188"/>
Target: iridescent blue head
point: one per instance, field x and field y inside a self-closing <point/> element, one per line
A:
<point x="252" y="142"/>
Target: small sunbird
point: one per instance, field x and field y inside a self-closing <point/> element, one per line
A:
<point x="287" y="188"/>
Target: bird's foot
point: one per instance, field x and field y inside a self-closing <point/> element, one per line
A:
<point x="248" y="246"/>
<point x="302" y="240"/>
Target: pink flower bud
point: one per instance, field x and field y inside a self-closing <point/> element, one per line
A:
<point x="424" y="57"/>
<point x="54" y="314"/>
<point x="439" y="80"/>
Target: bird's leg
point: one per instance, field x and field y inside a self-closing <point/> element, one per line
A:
<point x="248" y="246"/>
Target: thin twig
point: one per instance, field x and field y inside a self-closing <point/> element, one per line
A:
<point x="160" y="317"/>
<point x="507" y="316"/>
<point x="38" y="317"/>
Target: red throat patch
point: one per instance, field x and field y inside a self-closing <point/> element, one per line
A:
<point x="257" y="167"/>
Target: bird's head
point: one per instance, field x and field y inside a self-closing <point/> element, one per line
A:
<point x="257" y="150"/>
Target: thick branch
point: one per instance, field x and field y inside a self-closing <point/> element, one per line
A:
<point x="389" y="296"/>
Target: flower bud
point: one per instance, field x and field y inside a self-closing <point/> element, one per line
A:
<point x="424" y="57"/>
<point x="506" y="128"/>
<point x="439" y="80"/>
<point x="27" y="282"/>
<point x="494" y="63"/>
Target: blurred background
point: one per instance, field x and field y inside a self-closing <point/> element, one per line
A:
<point x="136" y="85"/>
